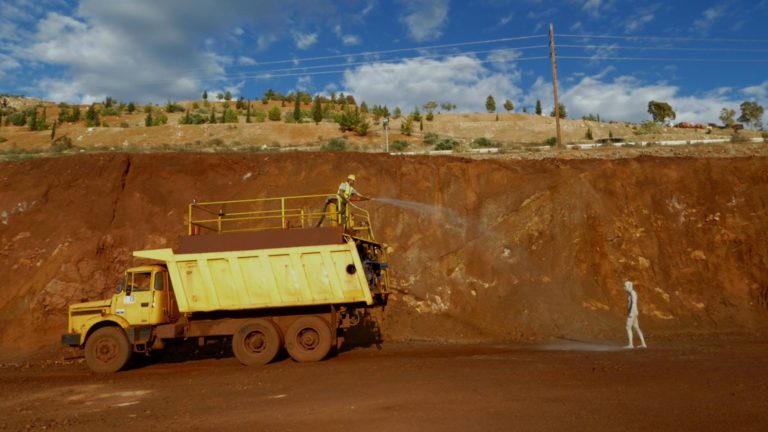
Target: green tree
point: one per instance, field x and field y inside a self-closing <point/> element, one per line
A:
<point x="274" y="114"/>
<point x="563" y="112"/>
<point x="76" y="115"/>
<point x="248" y="114"/>
<point x="430" y="106"/>
<point x="92" y="117"/>
<point x="64" y="112"/>
<point x="317" y="110"/>
<point x="416" y="114"/>
<point x="751" y="114"/>
<point x="148" y="120"/>
<point x="508" y="105"/>
<point x="364" y="107"/>
<point x="132" y="107"/>
<point x="406" y="126"/>
<point x="33" y="119"/>
<point x="727" y="116"/>
<point x="297" y="108"/>
<point x="490" y="104"/>
<point x="228" y="96"/>
<point x="447" y="106"/>
<point x="661" y="111"/>
<point x="229" y="116"/>
<point x="240" y="104"/>
<point x="212" y="120"/>
<point x="538" y="107"/>
<point x="205" y="95"/>
<point x="397" y="113"/>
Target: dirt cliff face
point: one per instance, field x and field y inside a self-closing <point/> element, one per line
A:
<point x="488" y="249"/>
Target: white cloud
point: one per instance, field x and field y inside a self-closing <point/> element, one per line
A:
<point x="304" y="83"/>
<point x="425" y="19"/>
<point x="245" y="61"/>
<point x="709" y="17"/>
<point x="144" y="50"/>
<point x="593" y="7"/>
<point x="304" y="40"/>
<point x="626" y="98"/>
<point x="346" y="39"/>
<point x="640" y="19"/>
<point x="7" y="63"/>
<point x="759" y="92"/>
<point x="462" y="80"/>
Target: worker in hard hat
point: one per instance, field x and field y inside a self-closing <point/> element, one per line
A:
<point x="347" y="193"/>
<point x="632" y="323"/>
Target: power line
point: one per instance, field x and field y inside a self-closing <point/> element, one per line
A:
<point x="667" y="59"/>
<point x="456" y="54"/>
<point x="390" y="51"/>
<point x="664" y="48"/>
<point x="687" y="39"/>
<point x="383" y="67"/>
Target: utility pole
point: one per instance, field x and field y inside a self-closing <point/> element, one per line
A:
<point x="554" y="83"/>
<point x="386" y="134"/>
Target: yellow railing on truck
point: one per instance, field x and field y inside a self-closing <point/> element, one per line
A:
<point x="304" y="211"/>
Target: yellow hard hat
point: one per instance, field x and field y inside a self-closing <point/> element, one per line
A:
<point x="351" y="177"/>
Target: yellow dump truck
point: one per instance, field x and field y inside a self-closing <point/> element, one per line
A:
<point x="292" y="272"/>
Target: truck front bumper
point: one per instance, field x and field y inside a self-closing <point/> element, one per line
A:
<point x="71" y="339"/>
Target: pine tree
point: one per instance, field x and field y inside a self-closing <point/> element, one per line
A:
<point x="92" y="117"/>
<point x="212" y="120"/>
<point x="297" y="108"/>
<point x="148" y="120"/>
<point x="490" y="104"/>
<point x="248" y="114"/>
<point x="205" y="95"/>
<point x="317" y="111"/>
<point x="538" y="107"/>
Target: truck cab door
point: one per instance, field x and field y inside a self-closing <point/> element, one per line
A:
<point x="164" y="307"/>
<point x="137" y="299"/>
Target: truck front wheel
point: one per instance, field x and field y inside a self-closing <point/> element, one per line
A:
<point x="308" y="339"/>
<point x="256" y="342"/>
<point x="107" y="350"/>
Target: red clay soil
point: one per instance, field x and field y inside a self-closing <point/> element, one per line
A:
<point x="521" y="250"/>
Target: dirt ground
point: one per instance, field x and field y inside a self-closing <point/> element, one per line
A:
<point x="499" y="258"/>
<point x="696" y="385"/>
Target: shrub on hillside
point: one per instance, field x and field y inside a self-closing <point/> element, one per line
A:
<point x="551" y="141"/>
<point x="61" y="144"/>
<point x="274" y="114"/>
<point x="399" y="145"/>
<point x="335" y="145"/>
<point x="447" y="144"/>
<point x="259" y="115"/>
<point x="739" y="138"/>
<point x="431" y="138"/>
<point x="484" y="142"/>
<point x="172" y="107"/>
<point x="648" y="127"/>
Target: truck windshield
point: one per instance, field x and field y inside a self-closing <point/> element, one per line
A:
<point x="141" y="281"/>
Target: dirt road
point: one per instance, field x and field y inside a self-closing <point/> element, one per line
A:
<point x="563" y="385"/>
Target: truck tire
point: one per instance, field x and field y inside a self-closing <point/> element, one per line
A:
<point x="308" y="339"/>
<point x="256" y="342"/>
<point x="107" y="350"/>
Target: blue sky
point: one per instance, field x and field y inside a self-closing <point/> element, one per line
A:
<point x="614" y="55"/>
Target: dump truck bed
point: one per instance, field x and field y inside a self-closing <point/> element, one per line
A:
<point x="301" y="270"/>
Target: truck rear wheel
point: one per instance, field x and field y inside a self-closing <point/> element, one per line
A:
<point x="256" y="342"/>
<point x="308" y="339"/>
<point x="107" y="350"/>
